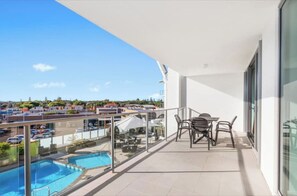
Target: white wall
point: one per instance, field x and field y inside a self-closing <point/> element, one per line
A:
<point x="172" y="98"/>
<point x="219" y="95"/>
<point x="172" y="89"/>
<point x="269" y="120"/>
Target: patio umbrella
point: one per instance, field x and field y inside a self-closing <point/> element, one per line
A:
<point x="130" y="122"/>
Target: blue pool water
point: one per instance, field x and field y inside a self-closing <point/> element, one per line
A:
<point x="91" y="160"/>
<point x="43" y="173"/>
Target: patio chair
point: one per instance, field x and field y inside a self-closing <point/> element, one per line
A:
<point x="161" y="116"/>
<point x="225" y="126"/>
<point x="133" y="148"/>
<point x="201" y="125"/>
<point x="125" y="148"/>
<point x="182" y="124"/>
<point x="138" y="141"/>
<point x="53" y="148"/>
<point x="44" y="151"/>
<point x="210" y="125"/>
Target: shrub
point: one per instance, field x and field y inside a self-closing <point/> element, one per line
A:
<point x="21" y="148"/>
<point x="4" y="147"/>
<point x="71" y="112"/>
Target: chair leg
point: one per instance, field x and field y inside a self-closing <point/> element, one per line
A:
<point x="190" y="138"/>
<point x="232" y="139"/>
<point x="180" y="132"/>
<point x="208" y="140"/>
<point x="193" y="135"/>
<point x="217" y="133"/>
<point x="211" y="136"/>
<point x="177" y="134"/>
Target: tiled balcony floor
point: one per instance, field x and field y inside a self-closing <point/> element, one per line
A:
<point x="178" y="170"/>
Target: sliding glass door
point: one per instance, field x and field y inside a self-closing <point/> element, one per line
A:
<point x="251" y="101"/>
<point x="252" y="98"/>
<point x="288" y="103"/>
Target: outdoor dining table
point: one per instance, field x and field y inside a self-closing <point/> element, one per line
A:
<point x="210" y="120"/>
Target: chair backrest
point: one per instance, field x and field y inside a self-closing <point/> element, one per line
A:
<point x="232" y="122"/>
<point x="177" y="118"/>
<point x="204" y="115"/>
<point x="161" y="116"/>
<point x="199" y="124"/>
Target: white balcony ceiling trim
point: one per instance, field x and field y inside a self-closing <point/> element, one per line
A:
<point x="192" y="37"/>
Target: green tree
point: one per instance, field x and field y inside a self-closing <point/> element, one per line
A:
<point x="78" y="102"/>
<point x="28" y="105"/>
<point x="57" y="102"/>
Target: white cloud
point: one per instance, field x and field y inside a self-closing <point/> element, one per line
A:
<point x="94" y="88"/>
<point x="156" y="96"/>
<point x="50" y="85"/>
<point x="107" y="84"/>
<point x="43" y="67"/>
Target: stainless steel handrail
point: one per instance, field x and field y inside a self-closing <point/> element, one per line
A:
<point x="191" y="111"/>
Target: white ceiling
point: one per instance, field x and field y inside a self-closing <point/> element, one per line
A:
<point x="192" y="37"/>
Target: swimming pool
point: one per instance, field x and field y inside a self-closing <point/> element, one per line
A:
<point x="90" y="161"/>
<point x="43" y="173"/>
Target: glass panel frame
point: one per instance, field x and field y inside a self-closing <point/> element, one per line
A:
<point x="288" y="106"/>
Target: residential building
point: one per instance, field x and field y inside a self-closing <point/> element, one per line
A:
<point x="111" y="105"/>
<point x="105" y="110"/>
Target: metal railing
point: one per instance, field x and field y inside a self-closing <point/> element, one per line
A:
<point x="192" y="111"/>
<point x="27" y="133"/>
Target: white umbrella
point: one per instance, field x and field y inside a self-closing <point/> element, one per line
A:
<point x="130" y="122"/>
<point x="133" y="122"/>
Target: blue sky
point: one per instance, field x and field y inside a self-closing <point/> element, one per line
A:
<point x="46" y="50"/>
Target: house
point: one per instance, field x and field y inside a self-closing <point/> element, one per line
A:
<point x="111" y="105"/>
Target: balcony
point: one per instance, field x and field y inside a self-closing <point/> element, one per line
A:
<point x="79" y="161"/>
<point x="172" y="168"/>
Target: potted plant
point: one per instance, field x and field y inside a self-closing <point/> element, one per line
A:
<point x="4" y="156"/>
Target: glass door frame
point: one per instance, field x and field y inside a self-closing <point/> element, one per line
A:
<point x="256" y="62"/>
<point x="280" y="95"/>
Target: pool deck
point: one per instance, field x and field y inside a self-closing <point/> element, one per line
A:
<point x="172" y="168"/>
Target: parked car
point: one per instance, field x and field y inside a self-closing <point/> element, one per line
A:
<point x="2" y="132"/>
<point x="38" y="137"/>
<point x="14" y="140"/>
<point x="34" y="132"/>
<point x="92" y="128"/>
<point x="21" y="137"/>
<point x="49" y="131"/>
<point x="47" y="135"/>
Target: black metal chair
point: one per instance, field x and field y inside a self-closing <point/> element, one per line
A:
<point x="182" y="124"/>
<point x="225" y="126"/>
<point x="210" y="126"/>
<point x="201" y="125"/>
